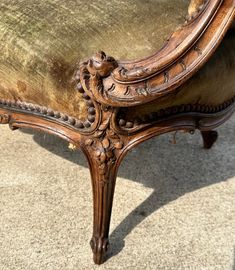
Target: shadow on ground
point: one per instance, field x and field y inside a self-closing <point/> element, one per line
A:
<point x="180" y="168"/>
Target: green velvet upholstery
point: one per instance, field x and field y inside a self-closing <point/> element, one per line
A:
<point x="212" y="85"/>
<point x="42" y="40"/>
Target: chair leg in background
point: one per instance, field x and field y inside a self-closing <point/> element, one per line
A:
<point x="209" y="138"/>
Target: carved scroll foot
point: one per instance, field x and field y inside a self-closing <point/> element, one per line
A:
<point x="99" y="247"/>
<point x="102" y="202"/>
<point x="209" y="138"/>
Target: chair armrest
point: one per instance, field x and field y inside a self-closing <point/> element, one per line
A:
<point x="124" y="84"/>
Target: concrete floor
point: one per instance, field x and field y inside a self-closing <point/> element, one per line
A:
<point x="173" y="209"/>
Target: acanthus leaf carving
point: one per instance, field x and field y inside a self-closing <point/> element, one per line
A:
<point x="98" y="83"/>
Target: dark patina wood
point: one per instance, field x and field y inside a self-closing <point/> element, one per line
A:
<point x="109" y="86"/>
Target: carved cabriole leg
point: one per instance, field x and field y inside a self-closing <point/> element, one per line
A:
<point x="103" y="150"/>
<point x="209" y="138"/>
<point x="103" y="184"/>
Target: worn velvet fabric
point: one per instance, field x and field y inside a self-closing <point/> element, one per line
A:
<point x="212" y="85"/>
<point x="42" y="40"/>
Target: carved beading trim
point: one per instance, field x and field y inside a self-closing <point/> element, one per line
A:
<point x="82" y="125"/>
<point x="153" y="117"/>
<point x="48" y="112"/>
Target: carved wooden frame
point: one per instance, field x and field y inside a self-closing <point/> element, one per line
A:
<point x="108" y="86"/>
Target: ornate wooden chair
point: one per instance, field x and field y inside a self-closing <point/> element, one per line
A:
<point x="105" y="106"/>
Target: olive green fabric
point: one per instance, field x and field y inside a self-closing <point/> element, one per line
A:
<point x="42" y="40"/>
<point x="212" y="85"/>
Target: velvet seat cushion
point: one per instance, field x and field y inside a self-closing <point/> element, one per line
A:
<point x="42" y="40"/>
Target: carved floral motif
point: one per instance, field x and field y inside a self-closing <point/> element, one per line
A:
<point x="104" y="144"/>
